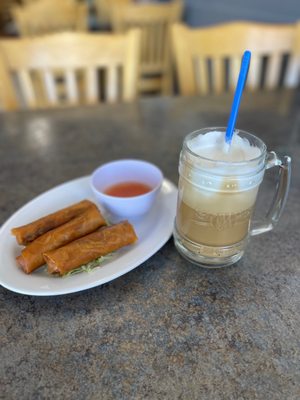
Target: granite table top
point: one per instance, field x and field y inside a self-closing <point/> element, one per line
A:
<point x="167" y="329"/>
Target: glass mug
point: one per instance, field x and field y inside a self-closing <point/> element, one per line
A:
<point x="216" y="200"/>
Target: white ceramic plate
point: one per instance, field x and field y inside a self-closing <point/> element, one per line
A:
<point x="153" y="231"/>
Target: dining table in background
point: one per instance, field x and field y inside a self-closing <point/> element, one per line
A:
<point x="167" y="329"/>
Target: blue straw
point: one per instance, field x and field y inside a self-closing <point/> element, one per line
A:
<point x="237" y="95"/>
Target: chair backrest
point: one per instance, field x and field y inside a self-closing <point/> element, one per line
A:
<point x="295" y="62"/>
<point x="104" y="9"/>
<point x="49" y="16"/>
<point x="208" y="59"/>
<point x="154" y="21"/>
<point x="90" y="68"/>
<point x="5" y="8"/>
<point x="26" y="2"/>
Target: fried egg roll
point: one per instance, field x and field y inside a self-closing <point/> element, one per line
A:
<point x="32" y="256"/>
<point x="28" y="233"/>
<point x="90" y="247"/>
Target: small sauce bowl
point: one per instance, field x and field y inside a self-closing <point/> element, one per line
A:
<point x="127" y="171"/>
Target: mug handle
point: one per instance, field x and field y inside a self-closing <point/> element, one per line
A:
<point x="282" y="189"/>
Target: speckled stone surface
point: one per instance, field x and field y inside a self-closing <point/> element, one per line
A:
<point x="168" y="329"/>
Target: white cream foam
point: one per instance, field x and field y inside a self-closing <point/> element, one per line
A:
<point x="212" y="145"/>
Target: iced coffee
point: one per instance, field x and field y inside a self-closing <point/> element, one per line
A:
<point x="217" y="190"/>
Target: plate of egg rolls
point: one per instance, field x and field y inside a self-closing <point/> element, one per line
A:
<point x="46" y="245"/>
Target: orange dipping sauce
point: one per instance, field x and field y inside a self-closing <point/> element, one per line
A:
<point x="127" y="189"/>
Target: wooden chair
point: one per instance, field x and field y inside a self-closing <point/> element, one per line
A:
<point x="4" y="16"/>
<point x="48" y="16"/>
<point x="104" y="10"/>
<point x="154" y="20"/>
<point x="106" y="63"/>
<point x="208" y="59"/>
<point x="294" y="71"/>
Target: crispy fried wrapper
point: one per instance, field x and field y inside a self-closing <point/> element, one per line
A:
<point x="90" y="247"/>
<point x="28" y="233"/>
<point x="31" y="256"/>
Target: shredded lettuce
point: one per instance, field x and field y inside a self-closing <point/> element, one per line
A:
<point x="89" y="267"/>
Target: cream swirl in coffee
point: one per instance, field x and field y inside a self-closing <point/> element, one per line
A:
<point x="217" y="188"/>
